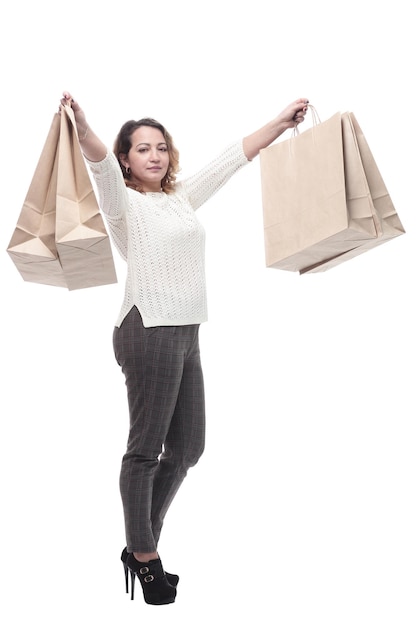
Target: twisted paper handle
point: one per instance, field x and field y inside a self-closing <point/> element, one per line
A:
<point x="315" y="117"/>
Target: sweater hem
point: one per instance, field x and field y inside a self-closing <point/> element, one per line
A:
<point x="152" y="322"/>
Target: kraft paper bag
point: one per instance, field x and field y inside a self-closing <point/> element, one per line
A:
<point x="60" y="238"/>
<point x="317" y="203"/>
<point x="81" y="238"/>
<point x="390" y="225"/>
<point x="32" y="247"/>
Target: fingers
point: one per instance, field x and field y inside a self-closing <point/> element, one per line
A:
<point x="301" y="111"/>
<point x="299" y="116"/>
<point x="68" y="100"/>
<point x="65" y="100"/>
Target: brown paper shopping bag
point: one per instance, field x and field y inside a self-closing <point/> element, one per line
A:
<point x="60" y="238"/>
<point x="318" y="207"/>
<point x="81" y="238"/>
<point x="32" y="247"/>
<point x="389" y="223"/>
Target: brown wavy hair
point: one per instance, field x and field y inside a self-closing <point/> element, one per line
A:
<point x="123" y="143"/>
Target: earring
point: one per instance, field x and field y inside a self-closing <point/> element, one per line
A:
<point x="127" y="170"/>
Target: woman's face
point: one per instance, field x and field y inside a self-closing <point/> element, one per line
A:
<point x="148" y="158"/>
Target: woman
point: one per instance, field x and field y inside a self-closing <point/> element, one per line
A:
<point x="152" y="222"/>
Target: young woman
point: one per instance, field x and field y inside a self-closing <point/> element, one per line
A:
<point x="152" y="222"/>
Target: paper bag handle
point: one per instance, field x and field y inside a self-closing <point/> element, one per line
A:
<point x="314" y="116"/>
<point x="69" y="112"/>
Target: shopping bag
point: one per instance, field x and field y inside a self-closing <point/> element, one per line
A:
<point x="318" y="207"/>
<point x="81" y="238"/>
<point x="60" y="238"/>
<point x="390" y="225"/>
<point x="32" y="247"/>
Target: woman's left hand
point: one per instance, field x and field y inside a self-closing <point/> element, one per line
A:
<point x="290" y="117"/>
<point x="294" y="113"/>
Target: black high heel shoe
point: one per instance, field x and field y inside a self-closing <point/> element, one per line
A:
<point x="155" y="586"/>
<point x="173" y="579"/>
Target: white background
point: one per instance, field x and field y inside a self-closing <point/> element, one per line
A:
<point x="302" y="510"/>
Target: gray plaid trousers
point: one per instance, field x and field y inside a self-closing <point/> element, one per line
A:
<point x="165" y="392"/>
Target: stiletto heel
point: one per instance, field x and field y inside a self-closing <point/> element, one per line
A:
<point x="132" y="581"/>
<point x="155" y="586"/>
<point x="126" y="577"/>
<point x="173" y="579"/>
<point x="123" y="557"/>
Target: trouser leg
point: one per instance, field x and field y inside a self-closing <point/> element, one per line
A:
<point x="160" y="365"/>
<point x="184" y="443"/>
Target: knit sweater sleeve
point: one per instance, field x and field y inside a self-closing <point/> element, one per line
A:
<point x="113" y="198"/>
<point x="205" y="183"/>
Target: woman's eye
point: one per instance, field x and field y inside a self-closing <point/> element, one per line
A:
<point x="163" y="149"/>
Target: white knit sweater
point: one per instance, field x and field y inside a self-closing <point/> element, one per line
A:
<point x="161" y="239"/>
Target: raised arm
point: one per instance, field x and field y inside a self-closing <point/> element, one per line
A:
<point x="291" y="116"/>
<point x="93" y="148"/>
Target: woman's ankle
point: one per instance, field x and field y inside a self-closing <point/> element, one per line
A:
<point x="145" y="557"/>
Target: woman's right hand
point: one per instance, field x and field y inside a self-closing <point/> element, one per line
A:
<point x="92" y="147"/>
<point x="79" y="114"/>
<point x="69" y="101"/>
